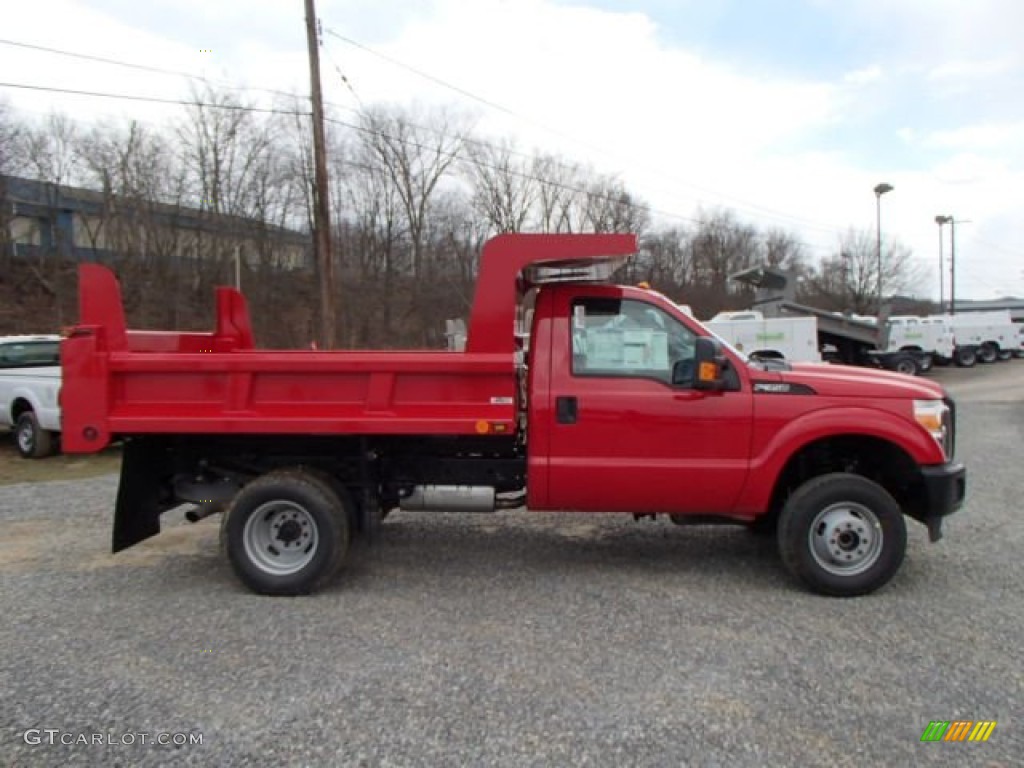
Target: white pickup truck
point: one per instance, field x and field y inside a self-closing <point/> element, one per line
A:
<point x="29" y="384"/>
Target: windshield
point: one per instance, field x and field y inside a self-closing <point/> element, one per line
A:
<point x="742" y="356"/>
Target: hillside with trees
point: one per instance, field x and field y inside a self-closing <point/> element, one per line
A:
<point x="414" y="194"/>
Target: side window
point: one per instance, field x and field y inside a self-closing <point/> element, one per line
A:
<point x="627" y="338"/>
<point x="35" y="354"/>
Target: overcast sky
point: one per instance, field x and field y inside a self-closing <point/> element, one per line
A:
<point x="789" y="112"/>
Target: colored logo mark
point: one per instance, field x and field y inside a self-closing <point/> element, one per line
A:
<point x="958" y="730"/>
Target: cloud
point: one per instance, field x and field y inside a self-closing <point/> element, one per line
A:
<point x="969" y="70"/>
<point x="1005" y="137"/>
<point x="864" y="76"/>
<point x="685" y="127"/>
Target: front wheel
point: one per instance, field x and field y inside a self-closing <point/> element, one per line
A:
<point x="842" y="535"/>
<point x="286" y="533"/>
<point x="33" y="441"/>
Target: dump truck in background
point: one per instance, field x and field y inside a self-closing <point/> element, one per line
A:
<point x="572" y="393"/>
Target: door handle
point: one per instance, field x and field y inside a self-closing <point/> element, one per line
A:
<point x="566" y="410"/>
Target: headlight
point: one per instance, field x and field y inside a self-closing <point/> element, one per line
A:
<point x="933" y="415"/>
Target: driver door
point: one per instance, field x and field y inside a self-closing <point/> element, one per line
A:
<point x="624" y="437"/>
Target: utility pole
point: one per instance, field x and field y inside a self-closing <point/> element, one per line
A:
<point x="322" y="209"/>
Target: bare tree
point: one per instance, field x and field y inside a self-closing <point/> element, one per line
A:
<point x="10" y="141"/>
<point x="416" y="158"/>
<point x="666" y="262"/>
<point x="781" y="249"/>
<point x="609" y="207"/>
<point x="849" y="279"/>
<point x="504" y="191"/>
<point x="10" y="163"/>
<point x="51" y="155"/>
<point x="559" y="189"/>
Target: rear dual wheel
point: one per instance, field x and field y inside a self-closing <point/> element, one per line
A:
<point x="965" y="357"/>
<point x="842" y="535"/>
<point x="287" y="532"/>
<point x="988" y="353"/>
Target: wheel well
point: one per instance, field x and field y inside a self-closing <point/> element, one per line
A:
<point x="874" y="458"/>
<point x="18" y="407"/>
<point x="911" y="348"/>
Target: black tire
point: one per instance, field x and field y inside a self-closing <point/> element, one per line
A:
<point x="905" y="364"/>
<point x="988" y="353"/>
<point x="282" y="509"/>
<point x="829" y="541"/>
<point x="1005" y="354"/>
<point x="925" y="363"/>
<point x="32" y="440"/>
<point x="965" y="357"/>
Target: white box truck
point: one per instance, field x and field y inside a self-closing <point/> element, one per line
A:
<point x="794" y="339"/>
<point x="983" y="336"/>
<point x="932" y="337"/>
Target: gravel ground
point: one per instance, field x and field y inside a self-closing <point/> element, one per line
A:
<point x="517" y="639"/>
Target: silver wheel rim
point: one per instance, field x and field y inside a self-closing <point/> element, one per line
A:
<point x="25" y="441"/>
<point x="845" y="539"/>
<point x="280" y="537"/>
<point x="906" y="367"/>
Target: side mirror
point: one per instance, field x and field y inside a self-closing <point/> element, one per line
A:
<point x="709" y="364"/>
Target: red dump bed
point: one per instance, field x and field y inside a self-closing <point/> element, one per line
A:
<point x="121" y="382"/>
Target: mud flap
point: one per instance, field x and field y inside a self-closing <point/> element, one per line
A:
<point x="141" y="495"/>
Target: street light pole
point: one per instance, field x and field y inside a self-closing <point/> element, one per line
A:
<point x="952" y="265"/>
<point x="880" y="189"/>
<point x="940" y="220"/>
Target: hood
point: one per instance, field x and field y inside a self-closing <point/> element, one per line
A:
<point x="851" y="381"/>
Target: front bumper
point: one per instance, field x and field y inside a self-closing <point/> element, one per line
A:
<point x="945" y="487"/>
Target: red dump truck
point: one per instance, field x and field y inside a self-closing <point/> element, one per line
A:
<point x="572" y="393"/>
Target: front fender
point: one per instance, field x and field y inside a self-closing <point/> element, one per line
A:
<point x="829" y="422"/>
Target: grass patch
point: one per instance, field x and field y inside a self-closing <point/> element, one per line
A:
<point x="63" y="466"/>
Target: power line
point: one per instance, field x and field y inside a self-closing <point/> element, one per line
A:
<point x="420" y="73"/>
<point x="363" y="129"/>
<point x="142" y="67"/>
<point x="493" y="105"/>
<point x="154" y="99"/>
<point x="537" y="179"/>
<point x="426" y="76"/>
<point x="347" y="83"/>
